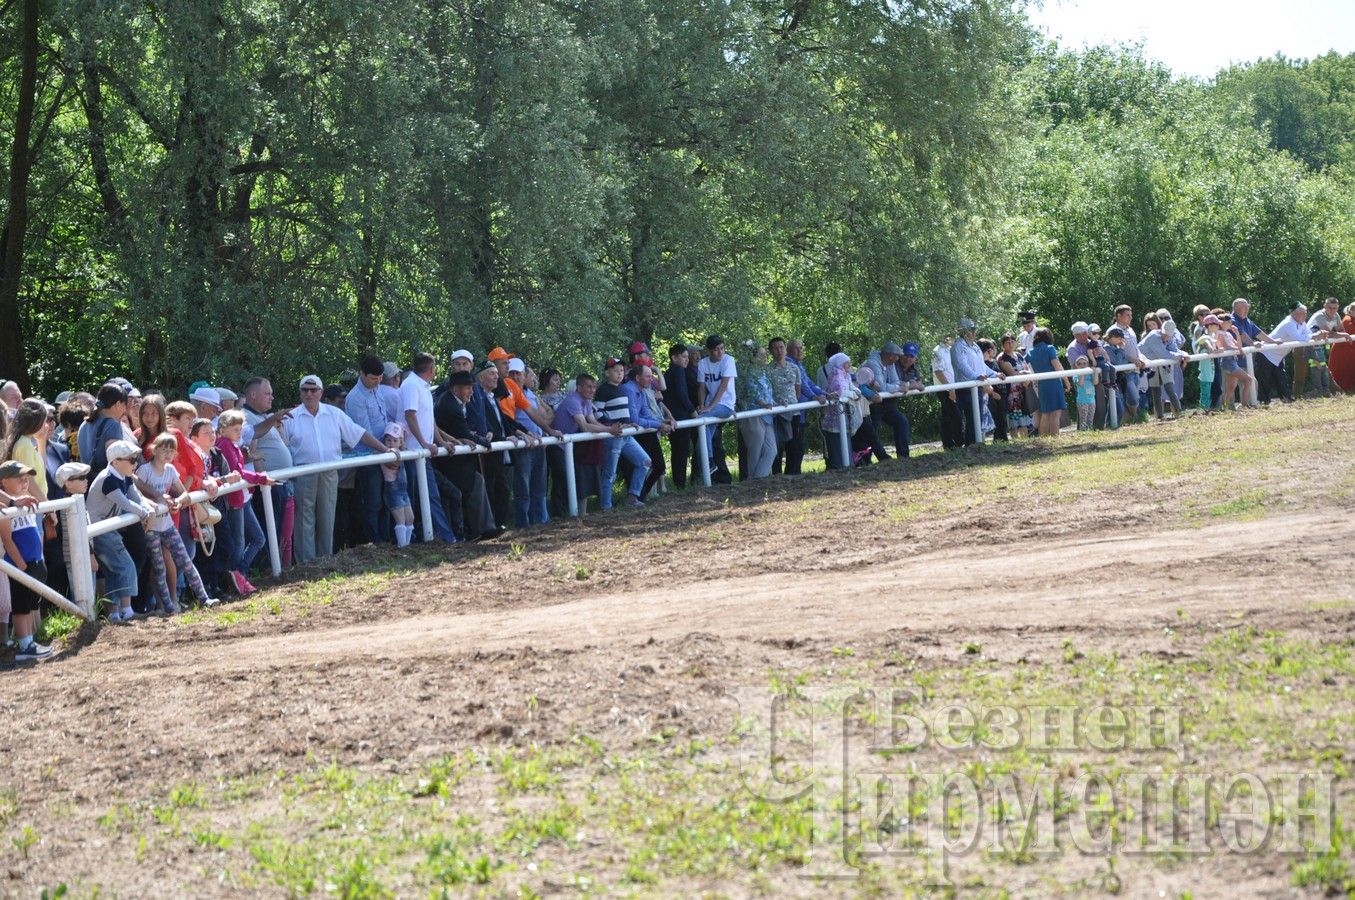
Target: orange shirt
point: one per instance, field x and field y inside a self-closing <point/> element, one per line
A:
<point x="516" y="400"/>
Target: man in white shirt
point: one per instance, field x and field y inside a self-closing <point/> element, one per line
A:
<point x="416" y="404"/>
<point x="316" y="433"/>
<point x="716" y="374"/>
<point x="943" y="372"/>
<point x="1293" y="327"/>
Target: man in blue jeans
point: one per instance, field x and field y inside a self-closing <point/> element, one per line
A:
<point x="612" y="406"/>
<point x="716" y="374"/>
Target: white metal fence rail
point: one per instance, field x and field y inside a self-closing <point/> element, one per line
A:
<point x="76" y="521"/>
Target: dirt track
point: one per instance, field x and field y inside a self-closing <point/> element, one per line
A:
<point x="881" y="597"/>
<point x="437" y="659"/>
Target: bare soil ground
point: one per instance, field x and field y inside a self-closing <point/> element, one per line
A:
<point x="559" y="711"/>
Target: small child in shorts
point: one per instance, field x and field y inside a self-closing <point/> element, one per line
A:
<point x="21" y="541"/>
<point x="1085" y="386"/>
<point x="396" y="488"/>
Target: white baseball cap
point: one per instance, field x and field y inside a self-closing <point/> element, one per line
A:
<point x="312" y="381"/>
<point x="463" y="354"/>
<point x="516" y="365"/>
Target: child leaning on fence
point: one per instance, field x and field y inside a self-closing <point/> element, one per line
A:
<point x="113" y="493"/>
<point x="73" y="478"/>
<point x="395" y="488"/>
<point x="1085" y="387"/>
<point x="160" y="483"/>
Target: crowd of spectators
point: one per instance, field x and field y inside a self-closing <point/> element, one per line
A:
<point x="139" y="454"/>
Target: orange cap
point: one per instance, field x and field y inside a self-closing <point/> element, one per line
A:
<point x="498" y="354"/>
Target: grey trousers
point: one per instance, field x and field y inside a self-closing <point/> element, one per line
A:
<point x="316" y="496"/>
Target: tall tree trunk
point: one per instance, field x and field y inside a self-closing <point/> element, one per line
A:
<point x="482" y="207"/>
<point x="13" y="355"/>
<point x="367" y="280"/>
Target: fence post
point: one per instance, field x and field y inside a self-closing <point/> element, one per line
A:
<point x="1113" y="400"/>
<point x="571" y="479"/>
<point x="1250" y="397"/>
<point x="270" y="527"/>
<point x="844" y="439"/>
<point x="704" y="450"/>
<point x="425" y="508"/>
<point x="82" y="574"/>
<point x="977" y="414"/>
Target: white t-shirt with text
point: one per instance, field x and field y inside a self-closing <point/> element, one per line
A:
<point x="712" y="373"/>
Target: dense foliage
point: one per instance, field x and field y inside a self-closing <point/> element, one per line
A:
<point x="224" y="187"/>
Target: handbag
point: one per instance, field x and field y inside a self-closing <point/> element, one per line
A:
<point x="205" y="519"/>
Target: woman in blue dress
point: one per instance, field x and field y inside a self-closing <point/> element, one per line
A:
<point x="1044" y="357"/>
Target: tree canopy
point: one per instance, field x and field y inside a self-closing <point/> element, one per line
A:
<point x="230" y="187"/>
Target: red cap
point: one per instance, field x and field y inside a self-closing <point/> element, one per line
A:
<point x="639" y="347"/>
<point x="613" y="361"/>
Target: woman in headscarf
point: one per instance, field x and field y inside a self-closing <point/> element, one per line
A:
<point x="837" y="379"/>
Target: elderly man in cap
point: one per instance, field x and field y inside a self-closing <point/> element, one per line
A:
<point x="883" y="365"/>
<point x="967" y="360"/>
<point x="207" y="402"/>
<point x="316" y="433"/>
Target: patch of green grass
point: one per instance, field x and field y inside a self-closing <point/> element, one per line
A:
<point x="302" y="599"/>
<point x="1329" y="868"/>
<point x="1251" y="505"/>
<point x="57" y="626"/>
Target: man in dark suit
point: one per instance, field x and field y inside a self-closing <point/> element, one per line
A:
<point x="463" y="470"/>
<point x="494" y="466"/>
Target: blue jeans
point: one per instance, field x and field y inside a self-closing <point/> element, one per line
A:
<point x="618" y="447"/>
<point x="246" y="534"/>
<point x="115" y="565"/>
<point x="441" y="527"/>
<point x="529" y="487"/>
<point x="713" y="431"/>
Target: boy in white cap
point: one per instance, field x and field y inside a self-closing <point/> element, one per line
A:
<point x="73" y="478"/>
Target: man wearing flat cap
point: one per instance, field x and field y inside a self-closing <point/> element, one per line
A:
<point x="883" y="364"/>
